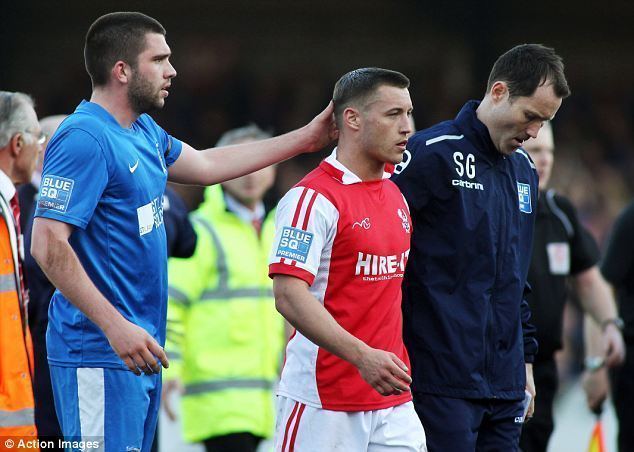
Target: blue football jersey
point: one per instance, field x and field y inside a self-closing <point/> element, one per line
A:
<point x="108" y="182"/>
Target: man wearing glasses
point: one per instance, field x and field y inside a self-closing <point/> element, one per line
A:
<point x="21" y="142"/>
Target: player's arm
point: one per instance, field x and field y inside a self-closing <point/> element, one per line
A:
<point x="55" y="256"/>
<point x="595" y="376"/>
<point x="215" y="165"/>
<point x="383" y="370"/>
<point x="597" y="301"/>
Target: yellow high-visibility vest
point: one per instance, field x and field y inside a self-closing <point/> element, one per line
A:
<point x="225" y="338"/>
<point x="17" y="418"/>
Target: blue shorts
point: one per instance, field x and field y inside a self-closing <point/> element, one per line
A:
<point x="470" y="425"/>
<point x="112" y="406"/>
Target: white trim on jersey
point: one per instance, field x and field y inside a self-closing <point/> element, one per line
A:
<point x="91" y="403"/>
<point x="348" y="176"/>
<point x="301" y="353"/>
<point x="321" y="224"/>
<point x="521" y="151"/>
<point x="443" y="138"/>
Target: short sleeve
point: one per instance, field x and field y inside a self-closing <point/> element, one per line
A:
<point x="584" y="251"/>
<point x="170" y="146"/>
<point x="305" y="225"/>
<point x="74" y="177"/>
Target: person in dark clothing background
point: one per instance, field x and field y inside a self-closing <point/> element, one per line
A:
<point x="618" y="269"/>
<point x="563" y="251"/>
<point x="40" y="292"/>
<point x="181" y="242"/>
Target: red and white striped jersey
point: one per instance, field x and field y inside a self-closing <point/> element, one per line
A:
<point x="349" y="240"/>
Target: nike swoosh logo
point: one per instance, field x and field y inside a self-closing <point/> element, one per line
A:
<point x="133" y="168"/>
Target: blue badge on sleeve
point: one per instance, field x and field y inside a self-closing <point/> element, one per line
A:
<point x="294" y="244"/>
<point x="55" y="193"/>
<point x="524" y="194"/>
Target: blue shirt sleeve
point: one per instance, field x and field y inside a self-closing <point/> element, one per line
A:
<point x="74" y="177"/>
<point x="170" y="146"/>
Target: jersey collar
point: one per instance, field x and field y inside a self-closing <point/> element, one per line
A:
<point x="337" y="170"/>
<point x="102" y="114"/>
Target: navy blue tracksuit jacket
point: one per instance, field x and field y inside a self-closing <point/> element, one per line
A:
<point x="466" y="322"/>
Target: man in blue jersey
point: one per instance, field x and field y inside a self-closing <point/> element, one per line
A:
<point x="473" y="194"/>
<point x="99" y="234"/>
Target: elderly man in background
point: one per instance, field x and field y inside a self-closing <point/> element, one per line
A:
<point x="21" y="142"/>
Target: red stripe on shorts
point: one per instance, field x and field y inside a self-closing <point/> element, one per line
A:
<point x="288" y="425"/>
<point x="291" y="446"/>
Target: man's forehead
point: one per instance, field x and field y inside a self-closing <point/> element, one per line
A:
<point x="156" y="43"/>
<point x="544" y="103"/>
<point x="388" y="94"/>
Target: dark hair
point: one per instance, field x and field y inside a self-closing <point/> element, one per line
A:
<point x="527" y="66"/>
<point x="114" y="37"/>
<point x="356" y="85"/>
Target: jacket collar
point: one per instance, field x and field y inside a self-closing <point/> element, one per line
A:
<point x="337" y="170"/>
<point x="469" y="124"/>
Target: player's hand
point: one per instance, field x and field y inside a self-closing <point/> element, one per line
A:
<point x="384" y="371"/>
<point x="322" y="130"/>
<point x="170" y="386"/>
<point x="530" y="387"/>
<point x="138" y="350"/>
<point x="613" y="346"/>
<point x="596" y="386"/>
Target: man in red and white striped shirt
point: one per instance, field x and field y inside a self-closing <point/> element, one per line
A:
<point x="338" y="260"/>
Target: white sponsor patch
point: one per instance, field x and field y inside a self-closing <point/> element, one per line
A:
<point x="558" y="258"/>
<point x="294" y="244"/>
<point x="55" y="193"/>
<point x="150" y="216"/>
<point x="146" y="218"/>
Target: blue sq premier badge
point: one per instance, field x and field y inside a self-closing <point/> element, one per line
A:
<point x="524" y="194"/>
<point x="55" y="193"/>
<point x="294" y="244"/>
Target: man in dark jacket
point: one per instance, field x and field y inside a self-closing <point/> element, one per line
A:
<point x="472" y="196"/>
<point x="563" y="252"/>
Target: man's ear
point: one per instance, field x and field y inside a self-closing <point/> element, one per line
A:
<point x="351" y="118"/>
<point x="499" y="91"/>
<point x="16" y="144"/>
<point x="121" y="71"/>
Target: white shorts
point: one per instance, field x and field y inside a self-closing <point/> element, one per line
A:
<point x="303" y="428"/>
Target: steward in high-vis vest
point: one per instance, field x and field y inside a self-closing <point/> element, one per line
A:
<point x="225" y="338"/>
<point x="20" y="144"/>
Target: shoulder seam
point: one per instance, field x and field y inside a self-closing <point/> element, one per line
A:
<point x="522" y="152"/>
<point x="559" y="213"/>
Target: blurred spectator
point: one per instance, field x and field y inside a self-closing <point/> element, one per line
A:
<point x="224" y="336"/>
<point x="618" y="269"/>
<point x="21" y="140"/>
<point x="40" y="292"/>
<point x="562" y="248"/>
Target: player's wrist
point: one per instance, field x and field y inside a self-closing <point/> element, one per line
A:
<point x="616" y="322"/>
<point x="593" y="364"/>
